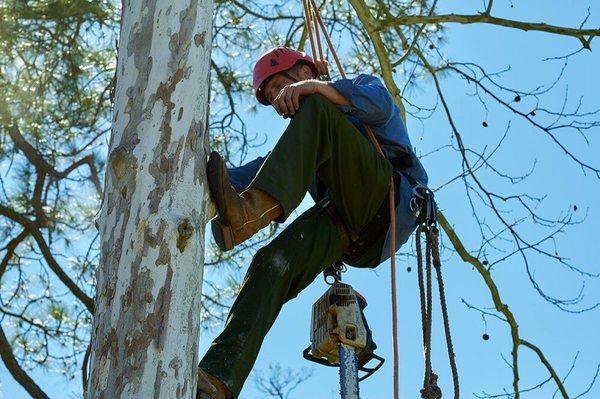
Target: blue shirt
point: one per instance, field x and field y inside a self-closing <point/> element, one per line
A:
<point x="372" y="105"/>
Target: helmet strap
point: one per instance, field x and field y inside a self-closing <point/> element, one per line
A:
<point x="290" y="77"/>
<point x="285" y="74"/>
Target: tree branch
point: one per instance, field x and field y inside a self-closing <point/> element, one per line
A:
<point x="384" y="60"/>
<point x="84" y="369"/>
<point x="10" y="250"/>
<point x="264" y="17"/>
<point x="21" y="143"/>
<point x="36" y="158"/>
<point x="489" y="282"/>
<point x="407" y="20"/>
<point x="546" y="363"/>
<point x="87" y="160"/>
<point x="15" y="369"/>
<point x="54" y="266"/>
<point x="57" y="11"/>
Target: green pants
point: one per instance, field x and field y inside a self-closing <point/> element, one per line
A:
<point x="319" y="141"/>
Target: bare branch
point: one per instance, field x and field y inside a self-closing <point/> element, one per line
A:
<point x="56" y="268"/>
<point x="583" y="35"/>
<point x="495" y="293"/>
<point x="15" y="369"/>
<point x="382" y="54"/>
<point x="10" y="250"/>
<point x="546" y="363"/>
<point x="36" y="158"/>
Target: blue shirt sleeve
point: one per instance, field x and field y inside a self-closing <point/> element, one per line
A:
<point x="371" y="103"/>
<point x="241" y="176"/>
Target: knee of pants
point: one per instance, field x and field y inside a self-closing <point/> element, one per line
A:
<point x="273" y="262"/>
<point x="315" y="104"/>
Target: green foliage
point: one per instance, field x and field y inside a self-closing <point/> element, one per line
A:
<point x="56" y="62"/>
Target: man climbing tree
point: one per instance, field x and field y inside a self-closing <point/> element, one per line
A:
<point x="323" y="150"/>
<point x="498" y="102"/>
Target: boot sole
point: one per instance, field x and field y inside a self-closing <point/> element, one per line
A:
<point x="214" y="178"/>
<point x="217" y="179"/>
<point x="223" y="234"/>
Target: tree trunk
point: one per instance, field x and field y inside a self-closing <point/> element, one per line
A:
<point x="147" y="319"/>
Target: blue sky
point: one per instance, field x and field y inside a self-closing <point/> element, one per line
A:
<point x="560" y="335"/>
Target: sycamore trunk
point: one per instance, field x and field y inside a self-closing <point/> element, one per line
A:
<point x="146" y="327"/>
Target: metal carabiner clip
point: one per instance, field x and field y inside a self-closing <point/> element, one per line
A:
<point x="415" y="208"/>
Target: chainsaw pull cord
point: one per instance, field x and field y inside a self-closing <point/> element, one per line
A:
<point x="308" y="5"/>
<point x="430" y="388"/>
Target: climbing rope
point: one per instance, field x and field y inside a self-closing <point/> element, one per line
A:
<point x="311" y="13"/>
<point x="430" y="388"/>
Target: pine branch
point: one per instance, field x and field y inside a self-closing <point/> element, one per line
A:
<point x="33" y="229"/>
<point x="15" y="369"/>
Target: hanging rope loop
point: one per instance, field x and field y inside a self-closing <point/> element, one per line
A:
<point x="432" y="256"/>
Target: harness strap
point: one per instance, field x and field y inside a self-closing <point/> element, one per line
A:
<point x="344" y="231"/>
<point x="355" y="243"/>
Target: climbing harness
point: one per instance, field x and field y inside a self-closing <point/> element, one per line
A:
<point x="355" y="243"/>
<point x="424" y="209"/>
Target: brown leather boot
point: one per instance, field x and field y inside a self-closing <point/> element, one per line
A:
<point x="210" y="387"/>
<point x="240" y="215"/>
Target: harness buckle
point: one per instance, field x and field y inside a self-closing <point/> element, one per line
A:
<point x="423" y="206"/>
<point x="333" y="273"/>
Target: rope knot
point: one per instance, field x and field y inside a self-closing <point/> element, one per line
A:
<point x="431" y="390"/>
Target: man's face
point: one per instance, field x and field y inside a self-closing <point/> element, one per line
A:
<point x="275" y="84"/>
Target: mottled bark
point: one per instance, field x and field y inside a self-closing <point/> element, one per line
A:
<point x="146" y="327"/>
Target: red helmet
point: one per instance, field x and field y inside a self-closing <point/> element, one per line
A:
<point x="276" y="60"/>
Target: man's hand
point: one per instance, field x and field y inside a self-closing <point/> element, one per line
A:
<point x="287" y="101"/>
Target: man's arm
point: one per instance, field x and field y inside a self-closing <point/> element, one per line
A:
<point x="287" y="101"/>
<point x="331" y="93"/>
<point x="370" y="101"/>
<point x="363" y="97"/>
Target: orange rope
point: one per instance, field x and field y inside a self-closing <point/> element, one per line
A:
<point x="318" y="36"/>
<point x="328" y="39"/>
<point x="307" y="24"/>
<point x="311" y="4"/>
